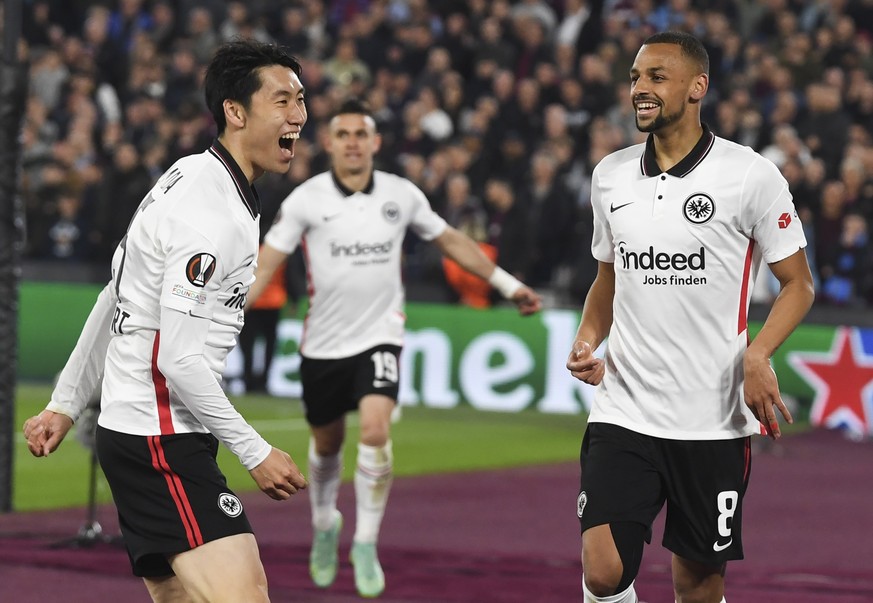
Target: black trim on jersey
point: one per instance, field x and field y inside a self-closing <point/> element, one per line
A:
<point x="349" y="192"/>
<point x="246" y="191"/>
<point x="649" y="166"/>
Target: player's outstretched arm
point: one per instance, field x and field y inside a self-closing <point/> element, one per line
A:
<point x="269" y="259"/>
<point x="462" y="249"/>
<point x="761" y="389"/>
<point x="278" y="475"/>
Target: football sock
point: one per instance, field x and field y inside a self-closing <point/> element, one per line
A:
<point x="372" y="483"/>
<point x="628" y="595"/>
<point x="325" y="475"/>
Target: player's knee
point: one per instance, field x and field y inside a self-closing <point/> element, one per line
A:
<point x="375" y="432"/>
<point x="607" y="574"/>
<point x="602" y="580"/>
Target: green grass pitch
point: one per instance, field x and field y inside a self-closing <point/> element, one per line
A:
<point x="425" y="441"/>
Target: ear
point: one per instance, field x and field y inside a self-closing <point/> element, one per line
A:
<point x="234" y="113"/>
<point x="699" y="86"/>
<point x="377" y="142"/>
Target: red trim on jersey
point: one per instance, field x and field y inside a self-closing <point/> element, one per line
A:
<point x="162" y="392"/>
<point x="747" y="455"/>
<point x="177" y="491"/>
<point x="743" y="318"/>
<point x="310" y="288"/>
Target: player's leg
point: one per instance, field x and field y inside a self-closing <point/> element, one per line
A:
<point x="167" y="589"/>
<point x="327" y="395"/>
<point x="377" y="384"/>
<point x="325" y="477"/>
<point x="706" y="483"/>
<point x="695" y="582"/>
<point x="207" y="577"/>
<point x="620" y="496"/>
<point x="373" y="477"/>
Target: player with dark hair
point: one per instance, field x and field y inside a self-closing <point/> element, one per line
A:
<point x="160" y="332"/>
<point x="352" y="221"/>
<point x="682" y="224"/>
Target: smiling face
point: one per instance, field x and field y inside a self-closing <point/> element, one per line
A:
<point x="352" y="144"/>
<point x="666" y="87"/>
<point x="272" y="121"/>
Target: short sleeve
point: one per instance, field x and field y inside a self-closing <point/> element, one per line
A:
<point x="776" y="227"/>
<point x="288" y="227"/>
<point x="602" y="247"/>
<point x="424" y="221"/>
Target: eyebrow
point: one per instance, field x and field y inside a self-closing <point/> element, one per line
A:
<point x="654" y="69"/>
<point x="282" y="92"/>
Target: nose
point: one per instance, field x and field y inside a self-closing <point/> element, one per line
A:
<point x="298" y="114"/>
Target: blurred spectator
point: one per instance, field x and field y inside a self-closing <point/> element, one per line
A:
<point x="508" y="228"/>
<point x="846" y="278"/>
<point x="480" y="88"/>
<point x="123" y="186"/>
<point x="464" y="211"/>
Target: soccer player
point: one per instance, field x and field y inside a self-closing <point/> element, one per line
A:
<point x="681" y="226"/>
<point x="351" y="221"/>
<point x="161" y="331"/>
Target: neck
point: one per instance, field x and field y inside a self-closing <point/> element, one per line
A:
<point x="355" y="182"/>
<point x="234" y="147"/>
<point x="672" y="145"/>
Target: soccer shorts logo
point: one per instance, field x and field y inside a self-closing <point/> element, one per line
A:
<point x="580" y="503"/>
<point x="230" y="504"/>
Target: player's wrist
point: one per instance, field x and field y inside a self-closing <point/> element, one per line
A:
<point x="504" y="282"/>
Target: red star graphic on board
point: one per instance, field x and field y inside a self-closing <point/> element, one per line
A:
<point x="843" y="382"/>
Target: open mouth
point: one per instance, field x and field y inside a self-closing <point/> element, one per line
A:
<point x="286" y="141"/>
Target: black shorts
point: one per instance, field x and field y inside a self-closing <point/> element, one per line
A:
<point x="170" y="495"/>
<point x="333" y="387"/>
<point x="627" y="476"/>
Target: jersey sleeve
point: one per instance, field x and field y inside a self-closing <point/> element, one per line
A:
<point x="78" y="381"/>
<point x="181" y="360"/>
<point x="775" y="226"/>
<point x="424" y="221"/>
<point x="193" y="270"/>
<point x="602" y="247"/>
<point x="290" y="224"/>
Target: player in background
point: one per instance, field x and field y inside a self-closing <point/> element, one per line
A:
<point x="351" y="222"/>
<point x="682" y="224"/>
<point x="160" y="332"/>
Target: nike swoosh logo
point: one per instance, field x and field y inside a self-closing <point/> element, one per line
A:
<point x="329" y="218"/>
<point x="615" y="208"/>
<point x="380" y="383"/>
<point x="720" y="547"/>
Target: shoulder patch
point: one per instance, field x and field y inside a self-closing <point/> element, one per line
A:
<point x="200" y="269"/>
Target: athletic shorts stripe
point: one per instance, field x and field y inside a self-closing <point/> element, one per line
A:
<point x="170" y="495"/>
<point x="162" y="392"/>
<point x="177" y="491"/>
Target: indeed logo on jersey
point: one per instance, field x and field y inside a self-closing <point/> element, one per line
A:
<point x="650" y="260"/>
<point x="357" y="249"/>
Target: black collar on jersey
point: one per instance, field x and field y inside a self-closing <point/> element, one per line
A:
<point x="649" y="166"/>
<point x="246" y="191"/>
<point x="349" y="192"/>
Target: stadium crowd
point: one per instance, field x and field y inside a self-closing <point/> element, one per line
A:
<point x="497" y="109"/>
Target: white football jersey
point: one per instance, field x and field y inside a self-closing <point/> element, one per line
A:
<point x="191" y="246"/>
<point x="686" y="245"/>
<point x="352" y="244"/>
